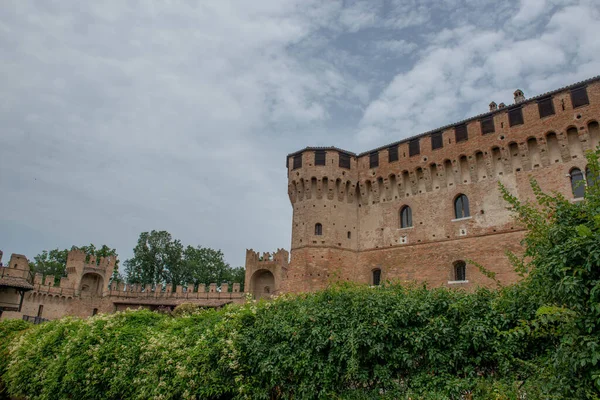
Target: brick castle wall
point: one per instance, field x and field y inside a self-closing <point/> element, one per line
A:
<point x="359" y="207"/>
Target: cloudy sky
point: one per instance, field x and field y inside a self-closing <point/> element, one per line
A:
<point x="119" y="117"/>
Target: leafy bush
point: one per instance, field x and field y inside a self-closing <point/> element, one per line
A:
<point x="535" y="339"/>
<point x="10" y="330"/>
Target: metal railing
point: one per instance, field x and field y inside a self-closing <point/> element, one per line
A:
<point x="34" y="320"/>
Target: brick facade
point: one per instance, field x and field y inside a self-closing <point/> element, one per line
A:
<point x="358" y="208"/>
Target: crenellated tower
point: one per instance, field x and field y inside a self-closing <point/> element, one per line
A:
<point x="325" y="195"/>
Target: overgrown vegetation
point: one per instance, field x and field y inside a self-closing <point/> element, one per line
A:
<point x="538" y="339"/>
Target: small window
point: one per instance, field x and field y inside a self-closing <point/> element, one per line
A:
<point x="545" y="107"/>
<point x="437" y="141"/>
<point x="297" y="161"/>
<point x="376" y="277"/>
<point x="414" y="148"/>
<point x="460" y="271"/>
<point x="487" y="125"/>
<point x="460" y="131"/>
<point x="94" y="311"/>
<point x="349" y="234"/>
<point x="374" y="160"/>
<point x="393" y="153"/>
<point x="405" y="217"/>
<point x="579" y="97"/>
<point x="577" y="183"/>
<point x="515" y="116"/>
<point x="318" y="229"/>
<point x="320" y="157"/>
<point x="461" y="206"/>
<point x="344" y="160"/>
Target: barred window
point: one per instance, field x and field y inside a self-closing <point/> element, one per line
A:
<point x="545" y="107"/>
<point x="579" y="97"/>
<point x="437" y="141"/>
<point x="515" y="116"/>
<point x="393" y="153"/>
<point x="344" y="160"/>
<point x="374" y="160"/>
<point x="376" y="277"/>
<point x="460" y="271"/>
<point x="414" y="147"/>
<point x="461" y="133"/>
<point x="487" y="125"/>
<point x="320" y="157"/>
<point x="297" y="161"/>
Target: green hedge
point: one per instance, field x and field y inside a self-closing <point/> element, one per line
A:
<point x="344" y="342"/>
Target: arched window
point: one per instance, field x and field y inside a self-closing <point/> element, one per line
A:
<point x="460" y="271"/>
<point x="376" y="277"/>
<point x="461" y="206"/>
<point x="318" y="229"/>
<point x="405" y="217"/>
<point x="577" y="183"/>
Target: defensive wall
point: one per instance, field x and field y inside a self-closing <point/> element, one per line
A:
<point x="85" y="291"/>
<point x="348" y="208"/>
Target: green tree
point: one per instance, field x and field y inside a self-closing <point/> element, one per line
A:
<point x="562" y="262"/>
<point x="157" y="259"/>
<point x="205" y="266"/>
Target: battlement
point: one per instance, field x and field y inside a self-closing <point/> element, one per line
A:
<point x="555" y="127"/>
<point x="213" y="291"/>
<point x="77" y="259"/>
<point x="280" y="257"/>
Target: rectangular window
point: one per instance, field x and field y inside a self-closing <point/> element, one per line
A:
<point x="487" y="125"/>
<point x="461" y="133"/>
<point x="414" y="148"/>
<point x="545" y="107"/>
<point x="515" y="116"/>
<point x="579" y="97"/>
<point x="344" y="160"/>
<point x="297" y="161"/>
<point x="373" y="160"/>
<point x="393" y="153"/>
<point x="437" y="141"/>
<point x="320" y="157"/>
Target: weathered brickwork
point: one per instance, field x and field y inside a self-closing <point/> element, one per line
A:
<point x="358" y="208"/>
<point x="85" y="291"/>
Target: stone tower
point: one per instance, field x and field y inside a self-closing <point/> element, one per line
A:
<point x="324" y="191"/>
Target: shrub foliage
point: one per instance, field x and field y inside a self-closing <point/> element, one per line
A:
<point x="539" y="338"/>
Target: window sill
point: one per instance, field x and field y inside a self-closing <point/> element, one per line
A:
<point x="461" y="219"/>
<point x="404" y="229"/>
<point x="457" y="282"/>
<point x="577" y="199"/>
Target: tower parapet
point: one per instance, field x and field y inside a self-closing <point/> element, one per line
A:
<point x="264" y="273"/>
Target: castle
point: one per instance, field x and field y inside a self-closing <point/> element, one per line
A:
<point x="419" y="209"/>
<point x="414" y="210"/>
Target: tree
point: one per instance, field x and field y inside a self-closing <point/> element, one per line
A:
<point x="54" y="262"/>
<point x="160" y="259"/>
<point x="205" y="266"/>
<point x="562" y="263"/>
<point x="156" y="259"/>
